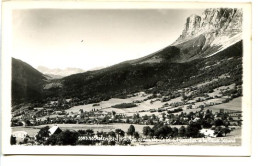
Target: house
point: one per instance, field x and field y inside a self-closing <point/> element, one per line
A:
<point x="53" y="102"/>
<point x="58" y="112"/>
<point x="32" y="121"/>
<point x="55" y="130"/>
<point x="38" y="109"/>
<point x="23" y="122"/>
<point x="68" y="100"/>
<point x="20" y="136"/>
<point x="196" y="119"/>
<point x="208" y="133"/>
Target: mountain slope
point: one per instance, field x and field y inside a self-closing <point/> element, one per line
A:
<point x="124" y="79"/>
<point x="214" y="30"/>
<point x="27" y="82"/>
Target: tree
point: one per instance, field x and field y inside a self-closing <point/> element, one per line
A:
<point x="192" y="130"/>
<point x="53" y="140"/>
<point x="136" y="116"/>
<point x="220" y="131"/>
<point x="111" y="142"/>
<point x="105" y="142"/>
<point x="184" y="97"/>
<point x="125" y="142"/>
<point x="119" y="133"/>
<point x="182" y="131"/>
<point x="219" y="122"/>
<point x="226" y="130"/>
<point x="163" y="131"/>
<point x="112" y="134"/>
<point x="163" y="116"/>
<point x="13" y="140"/>
<point x="146" y="130"/>
<point x="66" y="137"/>
<point x="28" y="123"/>
<point x="145" y="117"/>
<point x="151" y="133"/>
<point x="175" y="132"/>
<point x="136" y="135"/>
<point x="90" y="132"/>
<point x="113" y="113"/>
<point x="81" y="111"/>
<point x="153" y="117"/>
<point x="131" y="130"/>
<point x="43" y="134"/>
<point x="207" y="123"/>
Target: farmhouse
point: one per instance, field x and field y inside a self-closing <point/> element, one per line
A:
<point x="20" y="136"/>
<point x="55" y="130"/>
<point x="208" y="133"/>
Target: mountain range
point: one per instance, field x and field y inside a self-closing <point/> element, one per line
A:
<point x="213" y="37"/>
<point x="59" y="73"/>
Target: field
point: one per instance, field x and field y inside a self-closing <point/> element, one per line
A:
<point x="106" y="128"/>
<point x="107" y="105"/>
<point x="155" y="103"/>
<point x="234" y="104"/>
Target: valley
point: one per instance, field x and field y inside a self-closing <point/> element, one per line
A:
<point x="191" y="89"/>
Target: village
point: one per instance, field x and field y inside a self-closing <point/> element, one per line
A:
<point x="193" y="125"/>
<point x="142" y="108"/>
<point x="182" y="110"/>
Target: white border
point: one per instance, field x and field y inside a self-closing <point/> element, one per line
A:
<point x="244" y="150"/>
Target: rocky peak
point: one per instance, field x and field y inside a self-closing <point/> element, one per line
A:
<point x="192" y="25"/>
<point x="213" y="22"/>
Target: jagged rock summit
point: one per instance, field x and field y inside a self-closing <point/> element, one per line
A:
<point x="213" y="23"/>
<point x="203" y="36"/>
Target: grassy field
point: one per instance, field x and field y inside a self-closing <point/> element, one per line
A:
<point x="106" y="128"/>
<point x="107" y="105"/>
<point x="235" y="104"/>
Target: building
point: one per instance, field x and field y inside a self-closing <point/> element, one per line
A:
<point x="208" y="133"/>
<point x="55" y="130"/>
<point x="20" y="136"/>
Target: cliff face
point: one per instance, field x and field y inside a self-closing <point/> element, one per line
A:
<point x="203" y="36"/>
<point x="213" y="23"/>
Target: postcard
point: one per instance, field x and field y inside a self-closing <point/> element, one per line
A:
<point x="126" y="78"/>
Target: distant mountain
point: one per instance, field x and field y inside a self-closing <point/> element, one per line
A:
<point x="52" y="76"/>
<point x="59" y="73"/>
<point x="27" y="82"/>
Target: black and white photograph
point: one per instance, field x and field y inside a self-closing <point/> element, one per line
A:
<point x="174" y="76"/>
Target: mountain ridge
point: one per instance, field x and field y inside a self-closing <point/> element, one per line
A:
<point x="167" y="69"/>
<point x="59" y="73"/>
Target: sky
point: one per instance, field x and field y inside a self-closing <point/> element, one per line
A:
<point x="89" y="39"/>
